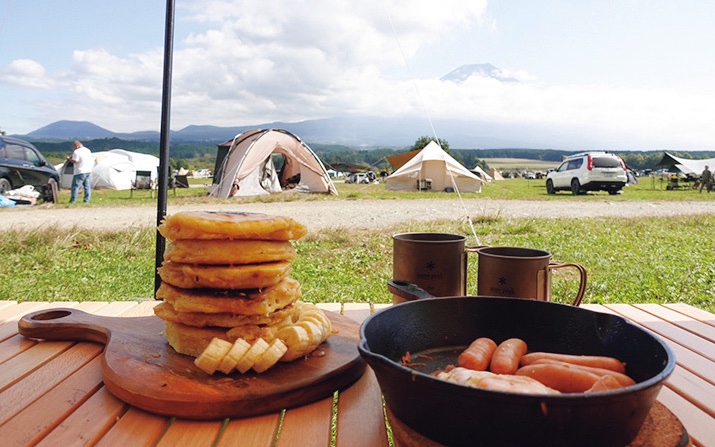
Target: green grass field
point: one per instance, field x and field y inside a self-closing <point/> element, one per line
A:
<point x="631" y="260"/>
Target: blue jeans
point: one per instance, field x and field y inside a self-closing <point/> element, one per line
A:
<point x="84" y="180"/>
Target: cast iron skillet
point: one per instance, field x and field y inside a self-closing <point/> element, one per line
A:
<point x="457" y="415"/>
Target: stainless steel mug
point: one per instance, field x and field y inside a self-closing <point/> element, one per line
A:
<point x="436" y="262"/>
<point x="520" y="273"/>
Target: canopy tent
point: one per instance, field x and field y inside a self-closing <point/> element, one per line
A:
<point x="686" y="165"/>
<point x="481" y="174"/>
<point x="433" y="166"/>
<point x="113" y="169"/>
<point x="247" y="167"/>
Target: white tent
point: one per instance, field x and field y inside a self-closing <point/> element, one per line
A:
<point x="435" y="167"/>
<point x="496" y="175"/>
<point x="481" y="174"/>
<point x="248" y="167"/>
<point x="113" y="169"/>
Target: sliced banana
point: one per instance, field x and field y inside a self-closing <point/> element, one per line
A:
<point x="275" y="351"/>
<point x="238" y="350"/>
<point x="296" y="339"/>
<point x="211" y="357"/>
<point x="247" y="361"/>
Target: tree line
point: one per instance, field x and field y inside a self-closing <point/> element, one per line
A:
<point x="203" y="156"/>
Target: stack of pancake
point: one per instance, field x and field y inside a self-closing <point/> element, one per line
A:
<point x="227" y="276"/>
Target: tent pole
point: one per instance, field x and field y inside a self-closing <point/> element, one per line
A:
<point x="164" y="143"/>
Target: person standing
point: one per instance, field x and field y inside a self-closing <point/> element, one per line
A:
<point x="706" y="179"/>
<point x="83" y="162"/>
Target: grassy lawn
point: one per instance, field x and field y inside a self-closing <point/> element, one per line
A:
<point x="630" y="260"/>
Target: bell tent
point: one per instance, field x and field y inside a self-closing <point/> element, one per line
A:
<point x="113" y="169"/>
<point x="433" y="168"/>
<point x="265" y="161"/>
<point x="479" y="172"/>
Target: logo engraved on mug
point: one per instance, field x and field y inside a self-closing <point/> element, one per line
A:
<point x="430" y="265"/>
<point x="502" y="280"/>
<point x="430" y="276"/>
<point x="503" y="292"/>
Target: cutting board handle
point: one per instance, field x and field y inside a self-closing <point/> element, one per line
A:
<point x="67" y="324"/>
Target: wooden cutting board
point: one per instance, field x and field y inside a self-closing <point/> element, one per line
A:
<point x="140" y="367"/>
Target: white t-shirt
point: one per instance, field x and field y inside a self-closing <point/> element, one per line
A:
<point x="84" y="160"/>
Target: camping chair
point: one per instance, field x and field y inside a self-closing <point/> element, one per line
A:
<point x="143" y="181"/>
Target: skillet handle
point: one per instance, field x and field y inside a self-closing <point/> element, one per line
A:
<point x="407" y="291"/>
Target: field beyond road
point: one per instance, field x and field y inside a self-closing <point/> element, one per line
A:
<point x="647" y="245"/>
<point x="361" y="213"/>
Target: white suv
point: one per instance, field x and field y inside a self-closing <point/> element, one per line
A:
<point x="588" y="171"/>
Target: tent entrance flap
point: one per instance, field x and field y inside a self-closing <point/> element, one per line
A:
<point x="246" y="166"/>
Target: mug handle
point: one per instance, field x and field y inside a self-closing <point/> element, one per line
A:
<point x="582" y="286"/>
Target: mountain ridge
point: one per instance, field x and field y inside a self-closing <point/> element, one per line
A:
<point x="354" y="131"/>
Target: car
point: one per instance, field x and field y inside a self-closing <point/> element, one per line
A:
<point x="22" y="164"/>
<point x="588" y="171"/>
<point x="357" y="177"/>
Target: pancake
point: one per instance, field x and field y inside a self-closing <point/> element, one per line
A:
<point x="219" y="251"/>
<point x="250" y="276"/>
<point x="230" y="225"/>
<point x="166" y="312"/>
<point x="250" y="302"/>
<point x="190" y="340"/>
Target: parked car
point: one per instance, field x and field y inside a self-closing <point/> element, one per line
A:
<point x="588" y="171"/>
<point x="357" y="177"/>
<point x="22" y="164"/>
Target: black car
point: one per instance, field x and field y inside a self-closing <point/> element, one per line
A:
<point x="22" y="164"/>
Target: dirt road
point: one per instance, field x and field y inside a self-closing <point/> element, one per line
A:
<point x="373" y="214"/>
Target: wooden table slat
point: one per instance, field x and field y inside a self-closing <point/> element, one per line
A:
<point x="699" y="425"/>
<point x="693" y="312"/>
<point x="357" y="311"/>
<point x="12" y="346"/>
<point x="184" y="433"/>
<point x="695" y="389"/>
<point x="359" y="422"/>
<point x="308" y="425"/>
<point x="683" y="321"/>
<point x="88" y="423"/>
<point x="666" y="329"/>
<point x="135" y="428"/>
<point x="16" y="312"/>
<point x="17" y="396"/>
<point x="46" y="412"/>
<point x="258" y="431"/>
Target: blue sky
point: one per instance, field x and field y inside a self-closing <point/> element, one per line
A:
<point x="625" y="74"/>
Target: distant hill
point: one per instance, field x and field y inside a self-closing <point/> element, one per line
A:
<point x="359" y="132"/>
<point x="69" y="130"/>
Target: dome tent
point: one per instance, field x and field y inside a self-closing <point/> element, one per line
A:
<point x="247" y="167"/>
<point x="436" y="167"/>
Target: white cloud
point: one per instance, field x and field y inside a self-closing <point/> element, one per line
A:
<point x="26" y="73"/>
<point x="246" y="62"/>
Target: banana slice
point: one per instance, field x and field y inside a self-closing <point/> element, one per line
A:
<point x="239" y="348"/>
<point x="269" y="358"/>
<point x="247" y="361"/>
<point x="315" y="333"/>
<point x="211" y="357"/>
<point x="296" y="339"/>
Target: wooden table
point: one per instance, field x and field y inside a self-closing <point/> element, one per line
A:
<point x="51" y="393"/>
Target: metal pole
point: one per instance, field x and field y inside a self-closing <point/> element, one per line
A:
<point x="164" y="142"/>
